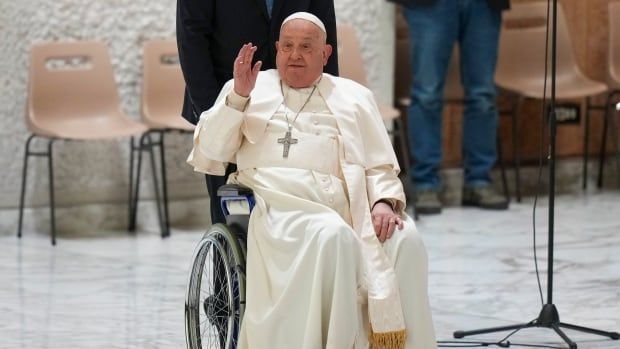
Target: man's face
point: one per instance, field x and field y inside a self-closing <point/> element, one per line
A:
<point x="301" y="53"/>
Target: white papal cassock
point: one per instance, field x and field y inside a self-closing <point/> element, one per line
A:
<point x="306" y="284"/>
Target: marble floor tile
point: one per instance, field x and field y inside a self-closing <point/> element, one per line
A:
<point x="120" y="291"/>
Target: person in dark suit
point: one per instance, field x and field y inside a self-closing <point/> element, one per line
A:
<point x="434" y="27"/>
<point x="209" y="36"/>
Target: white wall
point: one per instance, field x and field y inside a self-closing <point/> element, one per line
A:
<point x="96" y="172"/>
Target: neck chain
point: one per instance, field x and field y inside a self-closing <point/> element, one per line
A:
<point x="287" y="140"/>
<point x="289" y="123"/>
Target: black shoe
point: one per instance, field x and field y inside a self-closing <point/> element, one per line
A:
<point x="427" y="202"/>
<point x="484" y="196"/>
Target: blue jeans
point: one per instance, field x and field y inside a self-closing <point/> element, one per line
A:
<point x="433" y="32"/>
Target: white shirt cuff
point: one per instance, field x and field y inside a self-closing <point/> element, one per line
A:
<point x="236" y="101"/>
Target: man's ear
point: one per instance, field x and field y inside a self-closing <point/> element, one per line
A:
<point x="277" y="46"/>
<point x="327" y="52"/>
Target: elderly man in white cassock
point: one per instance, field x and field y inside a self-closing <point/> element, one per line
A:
<point x="333" y="261"/>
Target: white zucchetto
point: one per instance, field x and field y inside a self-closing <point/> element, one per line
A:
<point x="305" y="16"/>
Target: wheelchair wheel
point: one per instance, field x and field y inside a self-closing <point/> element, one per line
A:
<point x="215" y="299"/>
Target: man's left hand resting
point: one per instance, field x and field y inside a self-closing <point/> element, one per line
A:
<point x="385" y="221"/>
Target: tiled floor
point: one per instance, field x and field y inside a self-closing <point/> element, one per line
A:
<point x="128" y="291"/>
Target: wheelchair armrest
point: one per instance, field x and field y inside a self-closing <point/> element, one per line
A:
<point x="233" y="190"/>
<point x="236" y="199"/>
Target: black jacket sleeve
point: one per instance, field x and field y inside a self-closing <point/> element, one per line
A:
<point x="194" y="27"/>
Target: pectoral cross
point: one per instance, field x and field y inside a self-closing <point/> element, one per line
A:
<point x="286" y="142"/>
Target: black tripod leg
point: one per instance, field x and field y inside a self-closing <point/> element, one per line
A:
<point x="461" y="334"/>
<point x="571" y="344"/>
<point x="612" y="335"/>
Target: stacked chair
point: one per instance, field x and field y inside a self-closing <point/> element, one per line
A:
<point x="613" y="80"/>
<point x="71" y="96"/>
<point x="161" y="104"/>
<point x="521" y="64"/>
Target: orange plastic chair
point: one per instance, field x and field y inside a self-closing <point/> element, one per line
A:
<point x="613" y="81"/>
<point x="161" y="104"/>
<point x="71" y="96"/>
<point x="521" y="64"/>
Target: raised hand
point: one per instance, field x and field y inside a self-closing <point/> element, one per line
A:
<point x="243" y="73"/>
<point x="385" y="221"/>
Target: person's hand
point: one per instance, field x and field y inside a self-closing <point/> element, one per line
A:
<point x="243" y="73"/>
<point x="385" y="221"/>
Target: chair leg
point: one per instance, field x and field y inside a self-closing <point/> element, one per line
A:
<point x="515" y="146"/>
<point x="130" y="227"/>
<point x="608" y="119"/>
<point x="155" y="184"/>
<point x="162" y="161"/>
<point x="406" y="162"/>
<point x="603" y="148"/>
<point x="502" y="168"/>
<point x="402" y="144"/>
<point x="586" y="145"/>
<point x="136" y="185"/>
<point x="23" y="189"/>
<point x="51" y="190"/>
<point x="614" y="135"/>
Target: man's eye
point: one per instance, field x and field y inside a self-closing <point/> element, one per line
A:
<point x="287" y="47"/>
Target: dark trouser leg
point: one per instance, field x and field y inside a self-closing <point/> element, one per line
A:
<point x="214" y="182"/>
<point x="433" y="31"/>
<point x="479" y="36"/>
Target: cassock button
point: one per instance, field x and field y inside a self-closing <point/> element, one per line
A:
<point x="331" y="201"/>
<point x="316" y="122"/>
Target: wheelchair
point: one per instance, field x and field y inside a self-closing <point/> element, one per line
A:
<point x="215" y="295"/>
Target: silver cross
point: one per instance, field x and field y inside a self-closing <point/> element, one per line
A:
<point x="286" y="142"/>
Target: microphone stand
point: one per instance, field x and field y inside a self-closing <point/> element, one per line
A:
<point x="548" y="316"/>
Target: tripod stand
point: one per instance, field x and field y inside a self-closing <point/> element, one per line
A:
<point x="548" y="316"/>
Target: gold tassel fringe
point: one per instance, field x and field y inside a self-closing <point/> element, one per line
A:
<point x="387" y="340"/>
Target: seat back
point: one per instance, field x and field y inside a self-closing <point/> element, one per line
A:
<point x="613" y="63"/>
<point x="522" y="45"/>
<point x="70" y="80"/>
<point x="350" y="61"/>
<point x="162" y="84"/>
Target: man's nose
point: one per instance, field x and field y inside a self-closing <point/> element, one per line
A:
<point x="296" y="54"/>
